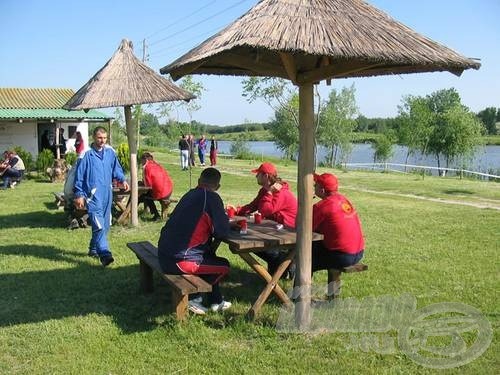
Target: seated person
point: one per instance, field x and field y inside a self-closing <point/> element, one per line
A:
<point x="13" y="170"/>
<point x="335" y="217"/>
<point x="190" y="237"/>
<point x="274" y="201"/>
<point x="156" y="177"/>
<point x="4" y="162"/>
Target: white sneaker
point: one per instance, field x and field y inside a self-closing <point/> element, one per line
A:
<point x="13" y="184"/>
<point x="217" y="307"/>
<point x="196" y="307"/>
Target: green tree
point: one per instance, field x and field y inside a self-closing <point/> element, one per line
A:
<point x="383" y="148"/>
<point x="284" y="128"/>
<point x="194" y="87"/>
<point x="456" y="131"/>
<point x="488" y="116"/>
<point x="415" y="125"/>
<point x="337" y="123"/>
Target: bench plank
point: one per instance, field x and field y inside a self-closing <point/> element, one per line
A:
<point x="182" y="285"/>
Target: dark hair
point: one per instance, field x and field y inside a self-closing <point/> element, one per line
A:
<point x="99" y="129"/>
<point x="211" y="177"/>
<point x="147" y="156"/>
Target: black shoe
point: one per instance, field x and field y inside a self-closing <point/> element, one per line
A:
<point x="290" y="272"/>
<point x="107" y="260"/>
<point x="93" y="254"/>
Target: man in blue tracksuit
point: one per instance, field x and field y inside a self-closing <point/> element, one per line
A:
<point x="93" y="187"/>
<point x="190" y="237"/>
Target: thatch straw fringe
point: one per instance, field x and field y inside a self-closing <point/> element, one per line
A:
<point x="341" y="29"/>
<point x="125" y="80"/>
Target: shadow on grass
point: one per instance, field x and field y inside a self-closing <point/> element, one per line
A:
<point x="87" y="288"/>
<point x="457" y="192"/>
<point x="37" y="219"/>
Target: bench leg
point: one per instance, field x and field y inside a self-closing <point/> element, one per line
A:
<point x="146" y="277"/>
<point x="164" y="209"/>
<point x="180" y="303"/>
<point x="334" y="283"/>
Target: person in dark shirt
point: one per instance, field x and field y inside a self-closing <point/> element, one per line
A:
<point x="184" y="149"/>
<point x="191" y="236"/>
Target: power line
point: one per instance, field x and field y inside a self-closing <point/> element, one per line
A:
<point x="198" y="23"/>
<point x="161" y="52"/>
<point x="180" y="19"/>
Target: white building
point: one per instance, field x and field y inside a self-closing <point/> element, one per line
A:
<point x="25" y="114"/>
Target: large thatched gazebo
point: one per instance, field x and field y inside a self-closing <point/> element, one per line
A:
<point x="125" y="81"/>
<point x="307" y="41"/>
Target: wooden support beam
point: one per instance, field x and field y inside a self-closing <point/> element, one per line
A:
<point x="332" y="71"/>
<point x="289" y="65"/>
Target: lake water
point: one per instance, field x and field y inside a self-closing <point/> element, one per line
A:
<point x="486" y="158"/>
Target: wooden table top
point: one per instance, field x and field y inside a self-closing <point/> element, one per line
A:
<point x="140" y="190"/>
<point x="261" y="236"/>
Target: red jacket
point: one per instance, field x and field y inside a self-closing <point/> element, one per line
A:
<point x="335" y="218"/>
<point x="280" y="206"/>
<point x="159" y="180"/>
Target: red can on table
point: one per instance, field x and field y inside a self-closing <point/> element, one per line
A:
<point x="231" y="212"/>
<point x="257" y="217"/>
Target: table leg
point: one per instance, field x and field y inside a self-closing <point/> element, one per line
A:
<point x="125" y="211"/>
<point x="271" y="282"/>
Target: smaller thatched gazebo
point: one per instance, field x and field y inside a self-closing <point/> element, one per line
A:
<point x="125" y="81"/>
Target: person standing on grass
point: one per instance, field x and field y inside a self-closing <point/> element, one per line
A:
<point x="335" y="217"/>
<point x="202" y="148"/>
<point x="276" y="202"/>
<point x="184" y="150"/>
<point x="156" y="177"/>
<point x="213" y="151"/>
<point x="188" y="242"/>
<point x="93" y="187"/>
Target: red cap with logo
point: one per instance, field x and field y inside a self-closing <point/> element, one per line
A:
<point x="328" y="181"/>
<point x="267" y="168"/>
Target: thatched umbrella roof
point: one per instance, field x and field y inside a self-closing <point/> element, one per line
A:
<point x="334" y="38"/>
<point x="307" y="41"/>
<point x="125" y="80"/>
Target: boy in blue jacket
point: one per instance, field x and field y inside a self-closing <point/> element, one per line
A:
<point x="93" y="187"/>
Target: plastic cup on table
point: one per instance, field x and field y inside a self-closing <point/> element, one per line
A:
<point x="243" y="226"/>
<point x="257" y="217"/>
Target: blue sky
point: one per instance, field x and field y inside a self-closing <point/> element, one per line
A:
<point x="61" y="44"/>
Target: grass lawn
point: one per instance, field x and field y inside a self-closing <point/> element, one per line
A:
<point x="61" y="312"/>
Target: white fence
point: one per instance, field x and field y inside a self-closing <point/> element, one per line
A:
<point x="441" y="171"/>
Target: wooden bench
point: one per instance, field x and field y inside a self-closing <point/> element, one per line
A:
<point x="181" y="285"/>
<point x="165" y="204"/>
<point x="60" y="200"/>
<point x="334" y="282"/>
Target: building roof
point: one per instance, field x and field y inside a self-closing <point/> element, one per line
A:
<point x="27" y="103"/>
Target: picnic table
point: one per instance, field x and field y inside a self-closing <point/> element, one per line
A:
<point x="123" y="203"/>
<point x="259" y="237"/>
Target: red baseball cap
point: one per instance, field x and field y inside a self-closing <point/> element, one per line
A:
<point x="267" y="168"/>
<point x="328" y="181"/>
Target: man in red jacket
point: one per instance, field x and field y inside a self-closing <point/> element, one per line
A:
<point x="274" y="201"/>
<point x="335" y="217"/>
<point x="155" y="176"/>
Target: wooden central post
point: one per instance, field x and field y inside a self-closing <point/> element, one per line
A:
<point x="132" y="145"/>
<point x="305" y="196"/>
